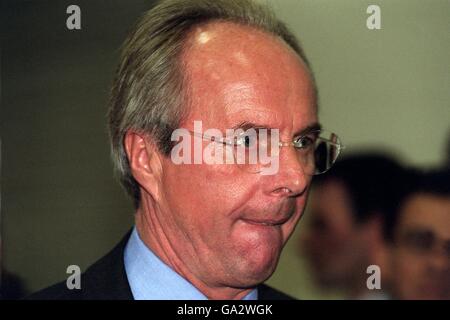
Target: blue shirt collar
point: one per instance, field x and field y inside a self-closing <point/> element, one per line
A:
<point x="151" y="279"/>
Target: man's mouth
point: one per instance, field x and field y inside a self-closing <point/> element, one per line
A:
<point x="266" y="222"/>
<point x="274" y="216"/>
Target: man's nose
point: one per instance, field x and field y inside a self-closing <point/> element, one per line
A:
<point x="291" y="179"/>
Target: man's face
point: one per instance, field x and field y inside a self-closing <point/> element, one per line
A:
<point x="334" y="243"/>
<point x="219" y="218"/>
<point x="420" y="257"/>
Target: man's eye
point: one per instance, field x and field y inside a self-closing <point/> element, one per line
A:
<point x="420" y="241"/>
<point x="304" y="142"/>
<point x="247" y="140"/>
<point x="250" y="141"/>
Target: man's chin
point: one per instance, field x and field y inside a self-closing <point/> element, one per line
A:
<point x="255" y="253"/>
<point x="252" y="272"/>
<point x="252" y="279"/>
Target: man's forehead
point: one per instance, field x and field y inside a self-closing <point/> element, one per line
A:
<point x="205" y="33"/>
<point x="218" y="44"/>
<point x="256" y="114"/>
<point x="427" y="211"/>
<point x="232" y="76"/>
<point x="233" y="110"/>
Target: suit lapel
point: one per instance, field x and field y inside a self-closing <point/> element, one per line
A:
<point x="107" y="279"/>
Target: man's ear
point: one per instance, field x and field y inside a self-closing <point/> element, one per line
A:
<point x="145" y="162"/>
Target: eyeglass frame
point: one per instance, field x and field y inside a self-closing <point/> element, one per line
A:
<point x="226" y="141"/>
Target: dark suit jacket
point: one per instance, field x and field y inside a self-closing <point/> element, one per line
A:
<point x="107" y="280"/>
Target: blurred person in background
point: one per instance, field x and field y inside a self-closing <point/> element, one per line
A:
<point x="349" y="206"/>
<point x="420" y="238"/>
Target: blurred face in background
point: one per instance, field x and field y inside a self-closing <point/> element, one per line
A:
<point x="421" y="254"/>
<point x="335" y="244"/>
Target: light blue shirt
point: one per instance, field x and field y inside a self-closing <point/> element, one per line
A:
<point x="151" y="279"/>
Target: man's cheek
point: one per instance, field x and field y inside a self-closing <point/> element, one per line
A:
<point x="412" y="270"/>
<point x="215" y="232"/>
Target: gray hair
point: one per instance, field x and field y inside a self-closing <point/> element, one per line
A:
<point x="149" y="93"/>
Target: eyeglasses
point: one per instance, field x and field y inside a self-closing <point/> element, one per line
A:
<point x="316" y="150"/>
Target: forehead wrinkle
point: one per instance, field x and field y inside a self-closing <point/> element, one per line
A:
<point x="241" y="58"/>
<point x="238" y="93"/>
<point x="255" y="115"/>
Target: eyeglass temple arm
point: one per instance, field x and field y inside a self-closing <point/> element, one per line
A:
<point x="209" y="138"/>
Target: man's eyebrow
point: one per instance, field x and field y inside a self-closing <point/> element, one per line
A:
<point x="312" y="127"/>
<point x="245" y="125"/>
